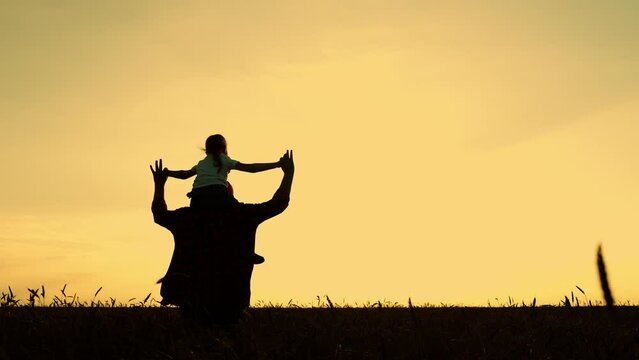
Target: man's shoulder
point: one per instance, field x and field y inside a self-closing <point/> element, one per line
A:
<point x="180" y="213"/>
<point x="238" y="212"/>
<point x="275" y="201"/>
<point x="259" y="210"/>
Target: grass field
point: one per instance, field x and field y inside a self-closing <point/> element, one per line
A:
<point x="323" y="333"/>
<point x="67" y="328"/>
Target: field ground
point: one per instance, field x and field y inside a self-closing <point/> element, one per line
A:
<point x="323" y="333"/>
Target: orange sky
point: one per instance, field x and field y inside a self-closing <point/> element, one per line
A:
<point x="451" y="153"/>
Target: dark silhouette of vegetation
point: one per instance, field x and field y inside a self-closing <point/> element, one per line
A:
<point x="603" y="278"/>
<point x="371" y="332"/>
<point x="70" y="328"/>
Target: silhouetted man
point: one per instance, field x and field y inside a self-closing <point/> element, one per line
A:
<point x="209" y="276"/>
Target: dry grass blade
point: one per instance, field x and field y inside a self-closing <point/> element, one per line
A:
<point x="330" y="303"/>
<point x="97" y="292"/>
<point x="9" y="299"/>
<point x="580" y="289"/>
<point x="603" y="278"/>
<point x="33" y="294"/>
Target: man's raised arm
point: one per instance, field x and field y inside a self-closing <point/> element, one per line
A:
<point x="158" y="206"/>
<point x="288" y="167"/>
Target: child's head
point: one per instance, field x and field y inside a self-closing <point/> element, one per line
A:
<point x="215" y="145"/>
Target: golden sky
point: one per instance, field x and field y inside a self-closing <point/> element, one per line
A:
<point x="451" y="152"/>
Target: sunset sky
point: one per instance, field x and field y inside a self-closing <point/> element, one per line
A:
<point x="450" y="152"/>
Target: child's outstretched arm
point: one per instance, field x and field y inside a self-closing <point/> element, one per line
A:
<point x="180" y="174"/>
<point x="258" y="167"/>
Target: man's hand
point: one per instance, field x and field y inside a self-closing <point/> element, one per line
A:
<point x="159" y="173"/>
<point x="286" y="162"/>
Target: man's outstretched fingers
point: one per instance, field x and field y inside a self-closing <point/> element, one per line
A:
<point x="158" y="167"/>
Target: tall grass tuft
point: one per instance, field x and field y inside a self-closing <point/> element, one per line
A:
<point x="330" y="303"/>
<point x="603" y="278"/>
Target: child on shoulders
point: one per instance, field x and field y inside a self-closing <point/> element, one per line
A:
<point x="211" y="187"/>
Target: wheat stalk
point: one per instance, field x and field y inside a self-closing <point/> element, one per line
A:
<point x="603" y="278"/>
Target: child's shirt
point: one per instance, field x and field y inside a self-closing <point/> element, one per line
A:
<point x="207" y="172"/>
